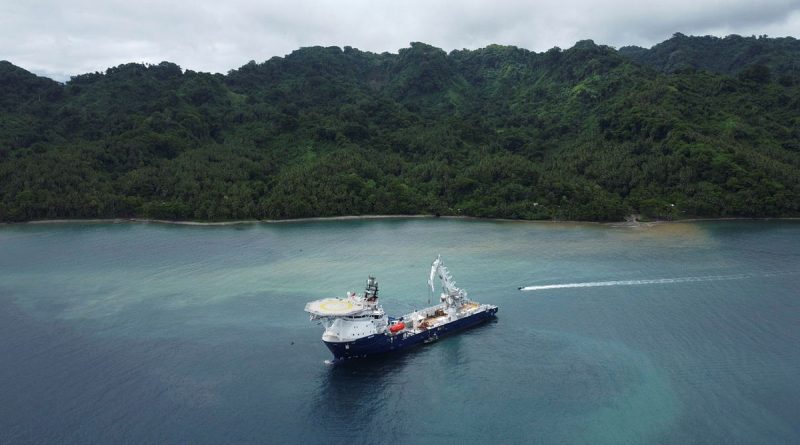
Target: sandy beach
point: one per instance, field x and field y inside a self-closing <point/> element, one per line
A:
<point x="636" y="223"/>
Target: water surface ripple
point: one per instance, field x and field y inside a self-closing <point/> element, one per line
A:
<point x="146" y="333"/>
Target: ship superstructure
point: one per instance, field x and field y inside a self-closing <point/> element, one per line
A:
<point x="357" y="326"/>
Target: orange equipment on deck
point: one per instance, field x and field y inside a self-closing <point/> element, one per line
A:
<point x="397" y="327"/>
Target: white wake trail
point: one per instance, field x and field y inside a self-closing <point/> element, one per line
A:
<point x="637" y="282"/>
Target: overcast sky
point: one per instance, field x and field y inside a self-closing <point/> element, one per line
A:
<point x="62" y="38"/>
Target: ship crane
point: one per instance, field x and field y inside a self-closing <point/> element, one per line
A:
<point x="357" y="326"/>
<point x="452" y="296"/>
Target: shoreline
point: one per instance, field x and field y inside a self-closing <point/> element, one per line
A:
<point x="370" y="217"/>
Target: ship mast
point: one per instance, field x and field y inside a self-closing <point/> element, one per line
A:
<point x="371" y="294"/>
<point x="451" y="295"/>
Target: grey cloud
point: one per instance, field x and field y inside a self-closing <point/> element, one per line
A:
<point x="59" y="38"/>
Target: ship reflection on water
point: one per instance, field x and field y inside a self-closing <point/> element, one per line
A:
<point x="405" y="387"/>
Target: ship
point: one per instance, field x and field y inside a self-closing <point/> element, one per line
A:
<point x="356" y="326"/>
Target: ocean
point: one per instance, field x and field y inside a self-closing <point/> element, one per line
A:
<point x="679" y="333"/>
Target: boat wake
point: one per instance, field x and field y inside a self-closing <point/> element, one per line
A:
<point x="642" y="282"/>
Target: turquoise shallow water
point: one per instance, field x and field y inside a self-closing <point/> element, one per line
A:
<point x="143" y="333"/>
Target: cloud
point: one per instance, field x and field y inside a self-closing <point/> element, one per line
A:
<point x="59" y="38"/>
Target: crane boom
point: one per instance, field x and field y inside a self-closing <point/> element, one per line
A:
<point x="450" y="293"/>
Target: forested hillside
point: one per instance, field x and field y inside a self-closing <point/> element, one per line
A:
<point x="587" y="133"/>
<point x="730" y="55"/>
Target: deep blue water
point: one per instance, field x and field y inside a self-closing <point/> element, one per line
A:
<point x="146" y="333"/>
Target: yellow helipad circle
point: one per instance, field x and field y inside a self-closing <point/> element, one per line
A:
<point x="336" y="306"/>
